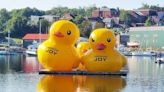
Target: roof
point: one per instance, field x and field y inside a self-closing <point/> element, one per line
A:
<point x="35" y="36"/>
<point x="104" y="9"/>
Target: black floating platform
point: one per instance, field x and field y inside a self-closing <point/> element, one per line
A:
<point x="120" y="73"/>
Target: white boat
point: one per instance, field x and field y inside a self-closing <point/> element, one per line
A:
<point x="137" y="53"/>
<point x="7" y="50"/>
<point x="162" y="47"/>
<point x="143" y="53"/>
<point x="126" y="53"/>
<point x="133" y="44"/>
<point x="159" y="60"/>
<point x="149" y="53"/>
<point x="32" y="50"/>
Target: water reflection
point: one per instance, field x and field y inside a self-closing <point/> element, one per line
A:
<point x="57" y="84"/>
<point x="31" y="64"/>
<point x="7" y="66"/>
<point x="144" y="66"/>
<point x="60" y="83"/>
<point x="104" y="83"/>
<point x="19" y="73"/>
<point x="18" y="63"/>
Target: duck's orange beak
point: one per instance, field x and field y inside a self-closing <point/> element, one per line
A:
<point x="58" y="34"/>
<point x="100" y="46"/>
<point x="84" y="51"/>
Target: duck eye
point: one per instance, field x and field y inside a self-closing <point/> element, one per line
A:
<point x="68" y="32"/>
<point x="93" y="40"/>
<point x="108" y="39"/>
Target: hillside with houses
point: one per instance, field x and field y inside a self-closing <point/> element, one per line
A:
<point x="25" y="21"/>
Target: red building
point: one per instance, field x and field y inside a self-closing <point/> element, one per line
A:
<point x="28" y="39"/>
<point x="105" y="13"/>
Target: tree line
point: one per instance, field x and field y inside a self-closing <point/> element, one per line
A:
<point x="19" y="24"/>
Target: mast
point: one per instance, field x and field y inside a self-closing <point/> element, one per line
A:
<point x="9" y="39"/>
<point x="40" y="29"/>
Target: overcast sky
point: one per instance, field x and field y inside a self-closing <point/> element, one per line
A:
<point x="48" y="4"/>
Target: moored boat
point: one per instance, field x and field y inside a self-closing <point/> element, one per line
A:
<point x="32" y="50"/>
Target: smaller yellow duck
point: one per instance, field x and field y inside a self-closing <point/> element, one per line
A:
<point x="58" y="53"/>
<point x="82" y="48"/>
<point x="103" y="57"/>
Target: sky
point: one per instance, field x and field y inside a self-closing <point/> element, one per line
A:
<point x="49" y="4"/>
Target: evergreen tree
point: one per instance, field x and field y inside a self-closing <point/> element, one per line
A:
<point x="148" y="22"/>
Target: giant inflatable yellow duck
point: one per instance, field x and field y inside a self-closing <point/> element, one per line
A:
<point x="58" y="52"/>
<point x="103" y="57"/>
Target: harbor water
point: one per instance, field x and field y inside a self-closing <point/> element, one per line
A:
<point x="19" y="73"/>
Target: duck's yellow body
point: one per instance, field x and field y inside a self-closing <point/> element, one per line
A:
<point x="58" y="52"/>
<point x="103" y="57"/>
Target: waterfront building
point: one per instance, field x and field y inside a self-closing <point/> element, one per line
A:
<point x="105" y="12"/>
<point x="29" y="39"/>
<point x="148" y="37"/>
<point x="49" y="18"/>
<point x="122" y="39"/>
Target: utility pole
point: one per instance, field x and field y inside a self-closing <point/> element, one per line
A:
<point x="9" y="38"/>
<point x="40" y="29"/>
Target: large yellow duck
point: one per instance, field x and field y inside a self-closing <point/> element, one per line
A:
<point x="103" y="57"/>
<point x="58" y="52"/>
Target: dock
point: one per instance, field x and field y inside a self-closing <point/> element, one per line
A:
<point x="120" y="73"/>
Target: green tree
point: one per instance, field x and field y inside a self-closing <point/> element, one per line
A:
<point x="162" y="21"/>
<point x="18" y="27"/>
<point x="148" y="22"/>
<point x="89" y="10"/>
<point x="44" y="26"/>
<point x="78" y="20"/>
<point x="112" y="23"/>
<point x="19" y="22"/>
<point x="99" y="25"/>
<point x="145" y="6"/>
<point x="4" y="17"/>
<point x="59" y="11"/>
<point x="154" y="7"/>
<point x="116" y="32"/>
<point x="28" y="12"/>
<point x="86" y="28"/>
<point x="125" y="17"/>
